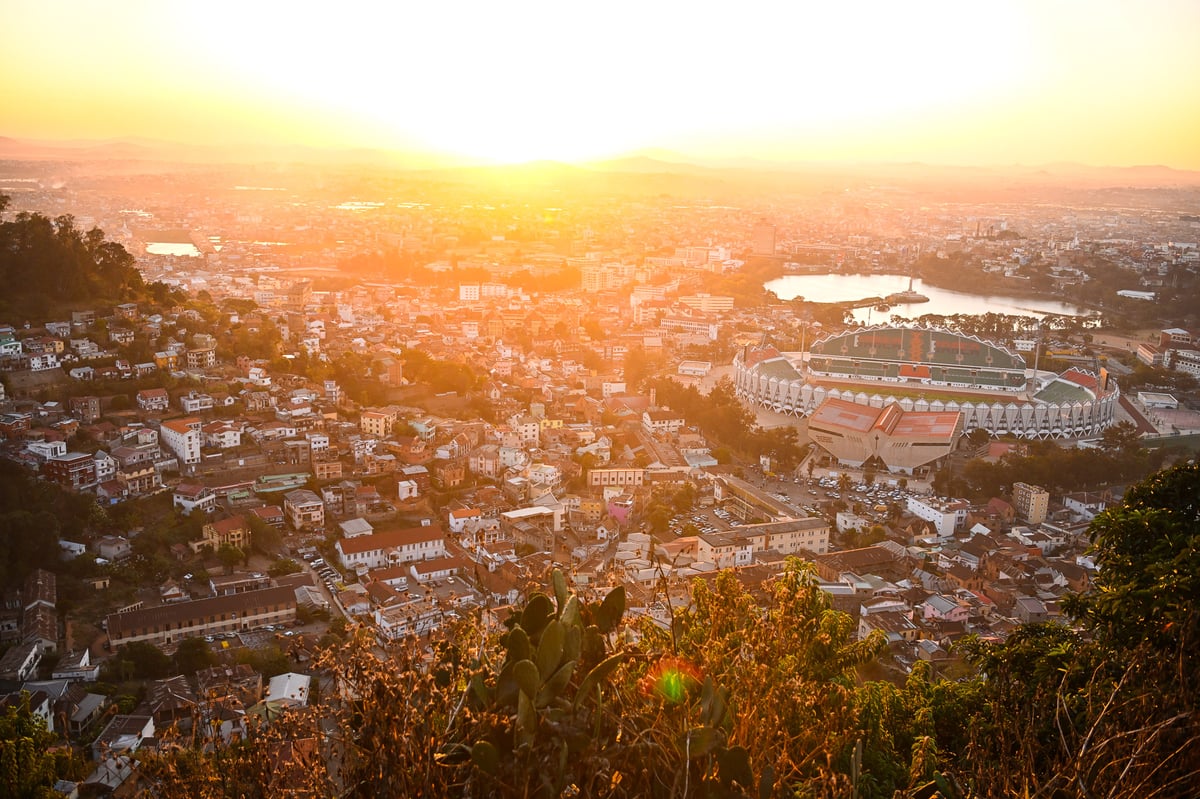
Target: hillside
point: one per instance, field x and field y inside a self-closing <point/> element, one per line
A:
<point x="50" y="266"/>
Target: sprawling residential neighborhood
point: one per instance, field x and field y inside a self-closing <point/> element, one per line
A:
<point x="390" y="415"/>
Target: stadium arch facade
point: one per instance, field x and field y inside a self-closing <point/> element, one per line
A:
<point x="929" y="369"/>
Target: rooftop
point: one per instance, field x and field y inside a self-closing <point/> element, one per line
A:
<point x="891" y="419"/>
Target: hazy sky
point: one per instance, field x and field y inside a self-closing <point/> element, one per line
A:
<point x="1102" y="82"/>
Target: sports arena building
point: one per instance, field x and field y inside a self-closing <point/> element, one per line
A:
<point x="890" y="437"/>
<point x="923" y="369"/>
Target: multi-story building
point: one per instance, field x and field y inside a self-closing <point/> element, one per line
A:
<point x="763" y="239"/>
<point x="183" y="437"/>
<point x="231" y="613"/>
<point x="139" y="478"/>
<point x="85" y="409"/>
<point x="222" y="434"/>
<point x="945" y="515"/>
<point x="192" y="496"/>
<point x="724" y="550"/>
<point x="1031" y="502"/>
<point x="708" y="303"/>
<point x="790" y="537"/>
<point x="234" y="532"/>
<point x="616" y="476"/>
<point x="393" y="547"/>
<point x="377" y="422"/>
<point x="153" y="399"/>
<point x="73" y="470"/>
<point x="704" y="329"/>
<point x="663" y="422"/>
<point x="413" y="618"/>
<point x="106" y="466"/>
<point x="201" y="357"/>
<point x="195" y="403"/>
<point x="528" y="429"/>
<point x="304" y="509"/>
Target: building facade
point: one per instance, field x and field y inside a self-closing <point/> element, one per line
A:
<point x="231" y="613"/>
<point x="1031" y="502"/>
<point x="183" y="437"/>
<point x="983" y="385"/>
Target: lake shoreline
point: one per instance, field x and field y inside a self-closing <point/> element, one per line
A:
<point x="836" y="288"/>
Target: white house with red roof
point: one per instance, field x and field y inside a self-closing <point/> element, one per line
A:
<point x="392" y="547"/>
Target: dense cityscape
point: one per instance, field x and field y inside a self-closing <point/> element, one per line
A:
<point x="625" y="400"/>
<point x="350" y="403"/>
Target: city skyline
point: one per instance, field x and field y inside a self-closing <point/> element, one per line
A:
<point x="942" y="83"/>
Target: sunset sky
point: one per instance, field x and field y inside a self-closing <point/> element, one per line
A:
<point x="1038" y="81"/>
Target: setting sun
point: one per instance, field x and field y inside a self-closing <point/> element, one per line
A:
<point x="938" y="82"/>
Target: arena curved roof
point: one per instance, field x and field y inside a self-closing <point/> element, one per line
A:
<point x="917" y="345"/>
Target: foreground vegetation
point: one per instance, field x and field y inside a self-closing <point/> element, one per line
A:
<point x="749" y="692"/>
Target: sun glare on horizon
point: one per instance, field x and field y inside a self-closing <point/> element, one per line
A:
<point x="940" y="81"/>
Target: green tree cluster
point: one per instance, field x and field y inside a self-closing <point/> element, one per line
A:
<point x="30" y="764"/>
<point x="724" y="419"/>
<point x="1109" y="709"/>
<point x="1119" y="457"/>
<point x="46" y="264"/>
<point x="439" y="375"/>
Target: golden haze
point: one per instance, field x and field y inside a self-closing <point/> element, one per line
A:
<point x="940" y="82"/>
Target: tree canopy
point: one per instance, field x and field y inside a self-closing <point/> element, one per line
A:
<point x="47" y="263"/>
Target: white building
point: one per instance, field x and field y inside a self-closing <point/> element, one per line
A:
<point x="222" y="435"/>
<point x="945" y="515"/>
<point x="724" y="550"/>
<point x="390" y="548"/>
<point x="528" y="428"/>
<point x="290" y="689"/>
<point x="662" y="422"/>
<point x="318" y="443"/>
<point x="461" y="517"/>
<point x="183" y="437"/>
<point x="191" y="496"/>
<point x="195" y="403"/>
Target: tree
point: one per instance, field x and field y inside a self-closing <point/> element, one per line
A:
<point x="264" y="538"/>
<point x="1147" y="551"/>
<point x="192" y="655"/>
<point x="1122" y="438"/>
<point x="1112" y="713"/>
<point x="659" y="518"/>
<point x="137" y="660"/>
<point x="230" y="556"/>
<point x="268" y="662"/>
<point x="978" y="437"/>
<point x="284" y="566"/>
<point x="684" y="498"/>
<point x="28" y="770"/>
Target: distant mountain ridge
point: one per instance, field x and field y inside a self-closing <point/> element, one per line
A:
<point x="649" y="161"/>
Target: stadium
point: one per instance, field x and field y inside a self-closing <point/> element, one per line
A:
<point x="924" y="369"/>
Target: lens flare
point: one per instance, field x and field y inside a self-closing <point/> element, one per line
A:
<point x="672" y="679"/>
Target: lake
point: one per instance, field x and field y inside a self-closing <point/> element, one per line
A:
<point x="172" y="248"/>
<point x="843" y="288"/>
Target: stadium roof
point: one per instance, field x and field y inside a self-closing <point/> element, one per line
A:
<point x="777" y="367"/>
<point x="918" y="345"/>
<point x="891" y="419"/>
